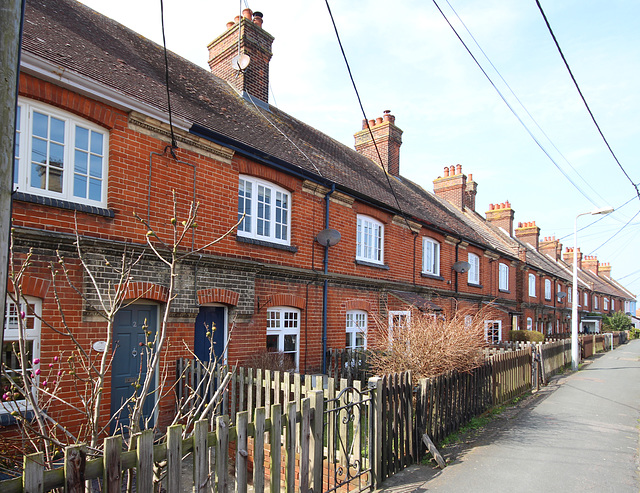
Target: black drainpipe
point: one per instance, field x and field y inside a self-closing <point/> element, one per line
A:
<point x="456" y="272"/>
<point x="325" y="287"/>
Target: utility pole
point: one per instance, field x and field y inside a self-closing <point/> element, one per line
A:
<point x="11" y="15"/>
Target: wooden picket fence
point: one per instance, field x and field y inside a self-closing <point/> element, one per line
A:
<point x="511" y="374"/>
<point x="348" y="363"/>
<point x="553" y="357"/>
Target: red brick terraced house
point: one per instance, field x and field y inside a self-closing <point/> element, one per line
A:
<point x="91" y="151"/>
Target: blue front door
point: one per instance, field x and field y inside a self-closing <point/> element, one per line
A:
<point x="210" y="319"/>
<point x="129" y="360"/>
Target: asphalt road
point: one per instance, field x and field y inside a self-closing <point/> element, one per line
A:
<point x="581" y="433"/>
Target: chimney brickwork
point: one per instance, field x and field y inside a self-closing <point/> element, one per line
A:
<point x="529" y="233"/>
<point x="455" y="188"/>
<point x="604" y="270"/>
<point x="568" y="257"/>
<point x="552" y="247"/>
<point x="501" y="215"/>
<point x="387" y="137"/>
<point x="590" y="263"/>
<point x="254" y="42"/>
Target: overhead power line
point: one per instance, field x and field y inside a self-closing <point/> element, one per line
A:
<point x="635" y="186"/>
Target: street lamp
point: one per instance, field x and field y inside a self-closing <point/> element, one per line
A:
<point x="575" y="353"/>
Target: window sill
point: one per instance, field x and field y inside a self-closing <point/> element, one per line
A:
<point x="474" y="285"/>
<point x="254" y="241"/>
<point x="62" y="204"/>
<point x="504" y="291"/>
<point x="7" y="419"/>
<point x="372" y="264"/>
<point x="431" y="276"/>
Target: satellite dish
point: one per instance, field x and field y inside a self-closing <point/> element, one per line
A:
<point x="240" y="62"/>
<point x="328" y="237"/>
<point x="561" y="296"/>
<point x="461" y="267"/>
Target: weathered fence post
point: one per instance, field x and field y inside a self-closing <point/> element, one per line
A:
<point x="316" y="445"/>
<point x="376" y="431"/>
<point x="222" y="453"/>
<point x="34" y="472"/>
<point x="144" y="463"/>
<point x="258" y="451"/>
<point x="275" y="436"/>
<point x="75" y="459"/>
<point x="112" y="475"/>
<point x="174" y="458"/>
<point x="200" y="455"/>
<point x="242" y="419"/>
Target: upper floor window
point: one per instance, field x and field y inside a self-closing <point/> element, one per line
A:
<point x="59" y="155"/>
<point x="503" y="278"/>
<point x="605" y="304"/>
<point x="430" y="256"/>
<point x="267" y="211"/>
<point x="613" y="304"/>
<point x="547" y="289"/>
<point x="595" y="302"/>
<point x="369" y="240"/>
<point x="474" y="270"/>
<point x="586" y="299"/>
<point x="532" y="285"/>
<point x="29" y="313"/>
<point x="356" y="329"/>
<point x="569" y="294"/>
<point x="283" y="334"/>
<point x="529" y="323"/>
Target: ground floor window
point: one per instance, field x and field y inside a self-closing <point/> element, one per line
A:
<point x="283" y="333"/>
<point x="28" y="311"/>
<point x="493" y="331"/>
<point x="398" y="320"/>
<point x="356" y="329"/>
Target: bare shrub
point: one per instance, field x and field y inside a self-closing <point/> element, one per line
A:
<point x="429" y="344"/>
<point x="269" y="360"/>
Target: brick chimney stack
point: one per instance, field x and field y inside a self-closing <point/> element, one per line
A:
<point x="256" y="43"/>
<point x="501" y="215"/>
<point x="529" y="233"/>
<point x="568" y="257"/>
<point x="387" y="137"/>
<point x="605" y="270"/>
<point x="552" y="247"/>
<point x="590" y="263"/>
<point x="455" y="188"/>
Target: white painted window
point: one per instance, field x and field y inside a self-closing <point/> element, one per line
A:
<point x="605" y="304"/>
<point x="468" y="321"/>
<point x="60" y="155"/>
<point x="398" y="320"/>
<point x="356" y="329"/>
<point x="532" y="285"/>
<point x="29" y="313"/>
<point x="613" y="304"/>
<point x="569" y="293"/>
<point x="474" y="271"/>
<point x="370" y="240"/>
<point x="493" y="331"/>
<point x="547" y="289"/>
<point x="283" y="333"/>
<point x="503" y="278"/>
<point x="267" y="211"/>
<point x="586" y="300"/>
<point x="430" y="256"/>
<point x="529" y="323"/>
<point x="595" y="302"/>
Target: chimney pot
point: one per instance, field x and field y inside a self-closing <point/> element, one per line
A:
<point x="247" y="14"/>
<point x="378" y="120"/>
<point x="458" y="169"/>
<point x="470" y="177"/>
<point x="372" y="123"/>
<point x="236" y="18"/>
<point x="452" y="170"/>
<point x="364" y="124"/>
<point x="446" y="171"/>
<point x="230" y="24"/>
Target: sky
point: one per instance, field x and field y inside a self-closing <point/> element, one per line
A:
<point x="405" y="57"/>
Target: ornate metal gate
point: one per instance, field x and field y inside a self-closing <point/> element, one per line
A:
<point x="348" y="435"/>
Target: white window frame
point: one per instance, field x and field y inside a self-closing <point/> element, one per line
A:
<point x="595" y="302"/>
<point x="97" y="156"/>
<point x="473" y="277"/>
<point x="547" y="289"/>
<point x="369" y="240"/>
<point x="284" y="321"/>
<point x="356" y="324"/>
<point x="402" y="316"/>
<point x="586" y="299"/>
<point x="490" y="326"/>
<point x="532" y="285"/>
<point x="605" y="304"/>
<point x="613" y="304"/>
<point x="11" y="334"/>
<point x="529" y="323"/>
<point x="430" y="256"/>
<point x="264" y="220"/>
<point x="503" y="277"/>
<point x="569" y="294"/>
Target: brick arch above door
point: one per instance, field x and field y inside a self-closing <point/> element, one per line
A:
<point x="217" y="295"/>
<point x="147" y="291"/>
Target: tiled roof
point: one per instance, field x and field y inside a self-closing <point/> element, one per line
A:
<point x="83" y="41"/>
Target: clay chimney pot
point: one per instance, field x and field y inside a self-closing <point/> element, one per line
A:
<point x="458" y="169"/>
<point x="372" y="123"/>
<point x="378" y="120"/>
<point x="452" y="170"/>
<point x="230" y="24"/>
<point x="247" y="14"/>
<point x="470" y="177"/>
<point x="446" y="171"/>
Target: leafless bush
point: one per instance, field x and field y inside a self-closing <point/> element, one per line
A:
<point x="429" y="344"/>
<point x="268" y="360"/>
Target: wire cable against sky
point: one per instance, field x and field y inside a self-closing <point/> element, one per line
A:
<point x="635" y="186"/>
<point x="521" y="104"/>
<point x="353" y="83"/>
<point x="511" y="107"/>
<point x="616" y="233"/>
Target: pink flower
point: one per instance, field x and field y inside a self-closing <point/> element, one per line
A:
<point x="44" y="384"/>
<point x="38" y="371"/>
<point x="50" y="365"/>
<point x="23" y="315"/>
<point x="55" y="358"/>
<point x="59" y="372"/>
<point x="36" y="361"/>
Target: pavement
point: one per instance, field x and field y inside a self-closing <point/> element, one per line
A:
<point x="578" y="434"/>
